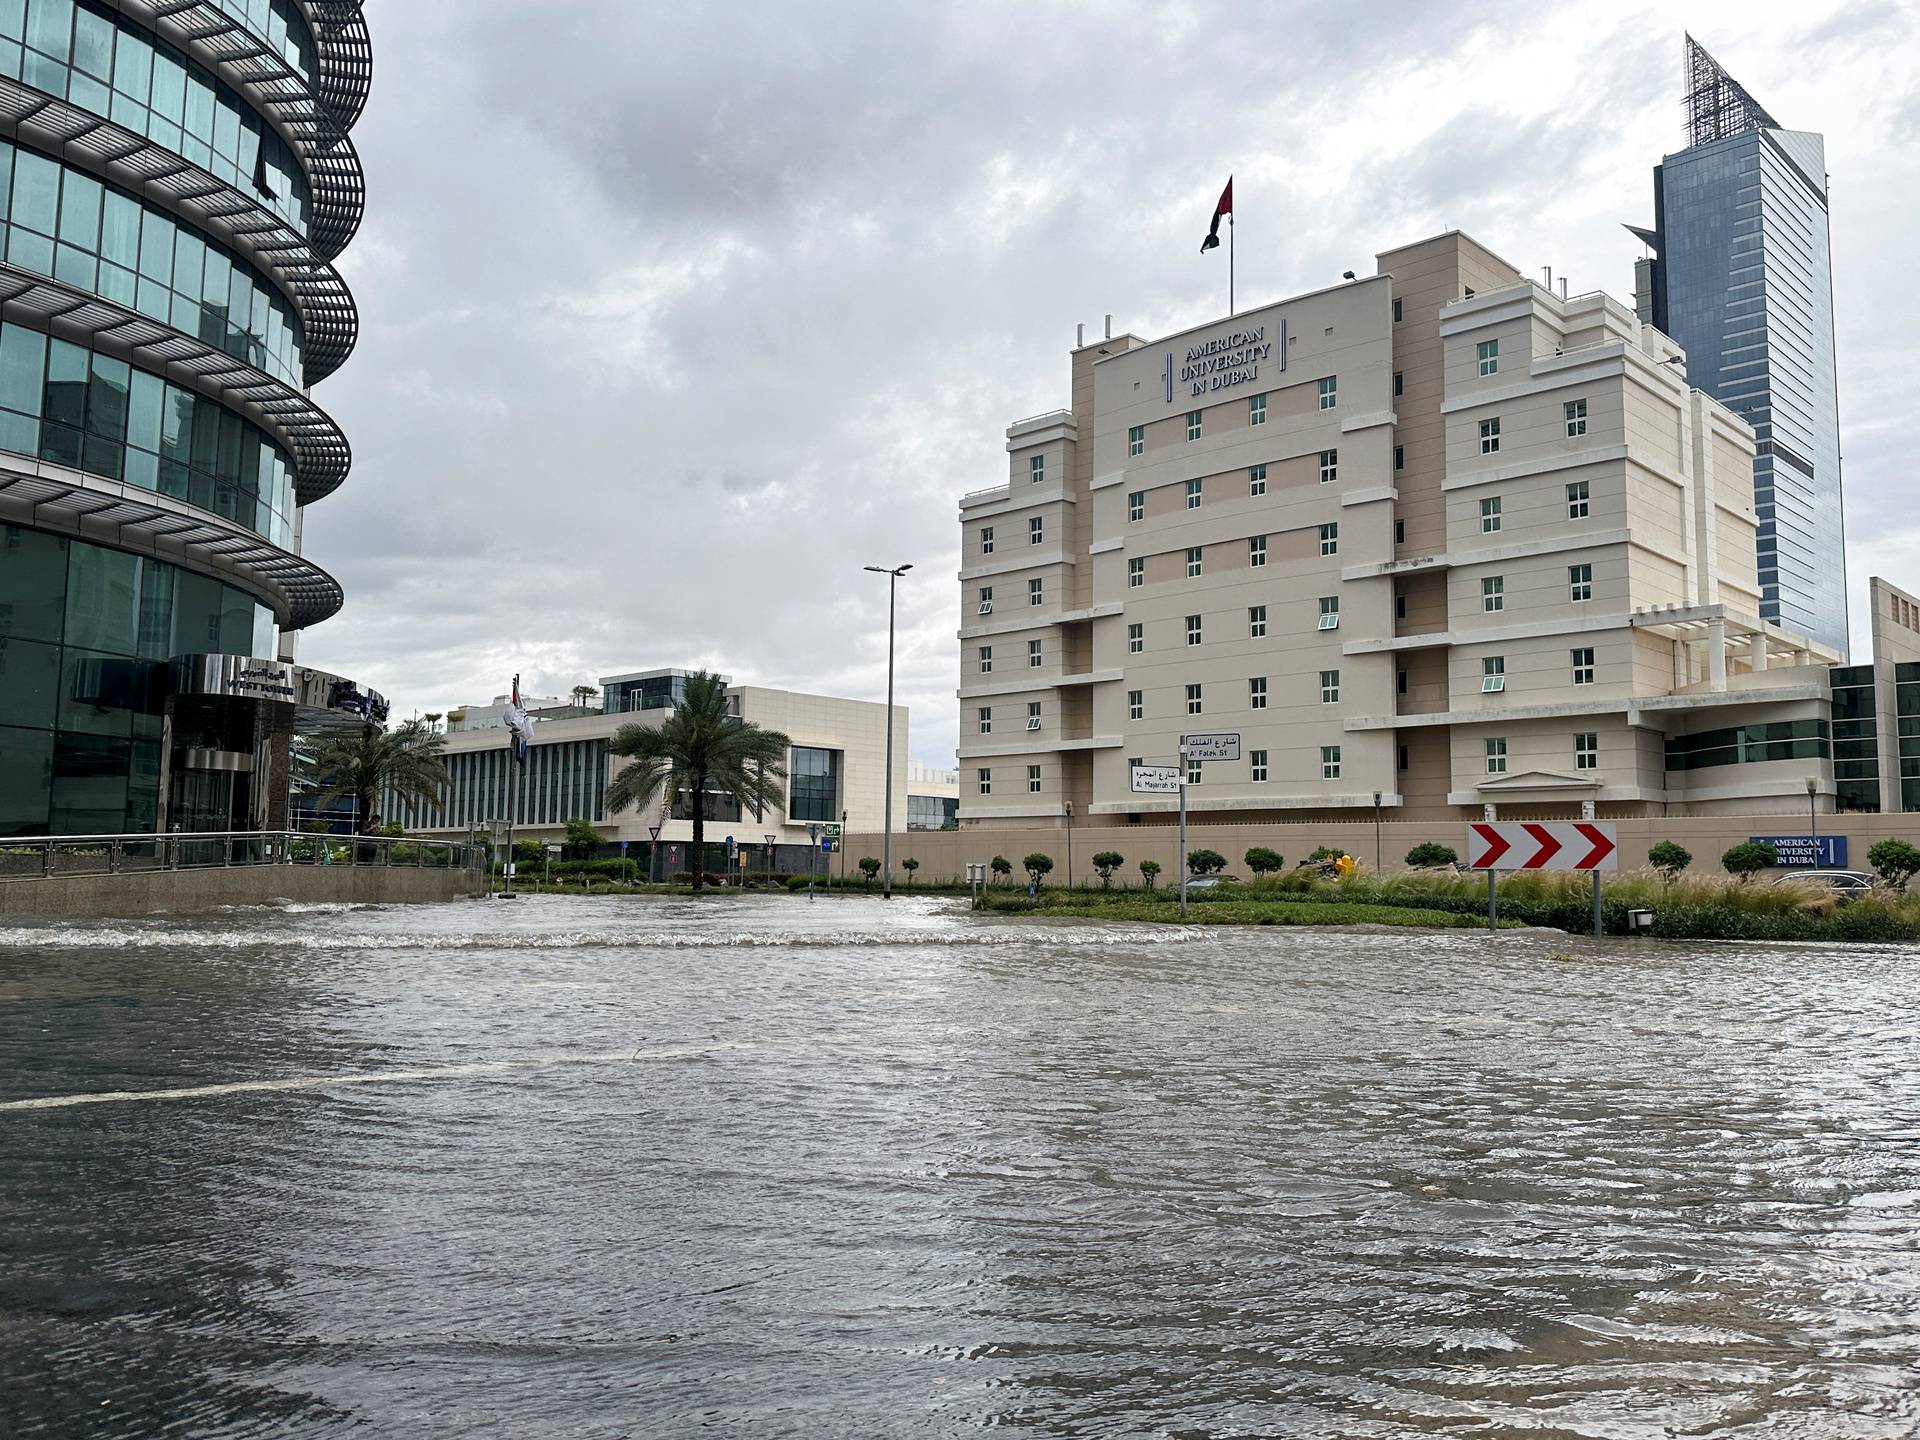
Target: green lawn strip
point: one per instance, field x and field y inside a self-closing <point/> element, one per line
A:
<point x="1230" y="912"/>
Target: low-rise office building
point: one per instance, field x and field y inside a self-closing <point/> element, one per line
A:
<point x="1433" y="539"/>
<point x="933" y="798"/>
<point x="835" y="769"/>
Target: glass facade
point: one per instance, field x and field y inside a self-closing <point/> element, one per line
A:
<point x="1856" y="740"/>
<point x="85" y="634"/>
<point x="1749" y="745"/>
<point x="652" y="692"/>
<point x="83" y="54"/>
<point x="1744" y="283"/>
<point x="559" y="782"/>
<point x="932" y="812"/>
<point x="1906" y="704"/>
<point x="813" y="784"/>
<point x="75" y="407"/>
<point x="280" y="24"/>
<point x="64" y="223"/>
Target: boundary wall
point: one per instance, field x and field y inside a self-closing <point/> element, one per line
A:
<point x="186" y="892"/>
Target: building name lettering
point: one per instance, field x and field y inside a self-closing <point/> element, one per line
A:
<point x="1226" y="361"/>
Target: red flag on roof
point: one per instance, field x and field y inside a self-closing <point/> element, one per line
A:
<point x="1225" y="207"/>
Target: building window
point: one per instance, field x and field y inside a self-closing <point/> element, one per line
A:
<point x="1577" y="500"/>
<point x="1586" y="751"/>
<point x="1399" y="457"/>
<point x="986" y="659"/>
<point x="1400" y="681"/>
<point x="1493" y="594"/>
<point x="1193" y="494"/>
<point x="1399" y="383"/>
<point x="1329" y="392"/>
<point x="1329" y="466"/>
<point x="1037" y="468"/>
<point x="1493" y="674"/>
<point x="1193" y="629"/>
<point x="1396" y="311"/>
<point x="1399" y="607"/>
<point x="1580" y="582"/>
<point x="1257" y="693"/>
<point x="1399" y="532"/>
<point x="1033" y="779"/>
<point x="1193" y="561"/>
<point x="1136" y="440"/>
<point x="1033" y="655"/>
<point x="1036" y="593"/>
<point x="1329" y="612"/>
<point x="1136" y="704"/>
<point x="1257" y="551"/>
<point x="1489" y="437"/>
<point x="1257" y="480"/>
<point x="986" y="720"/>
<point x="1496" y="757"/>
<point x="1329" y="762"/>
<point x="1576" y="418"/>
<point x="985" y="780"/>
<point x="1136" y="573"/>
<point x="1329" y="687"/>
<point x="1256" y="622"/>
<point x="1036" y="530"/>
<point x="1257" y="760"/>
<point x="1257" y="410"/>
<point x="986" y="599"/>
<point x="1193" y="773"/>
<point x="1193" y="424"/>
<point x="1193" y="699"/>
<point x="1136" y="638"/>
<point x="1137" y="505"/>
<point x="1489" y="355"/>
<point x="1330" y="538"/>
<point x="1582" y="667"/>
<point x="813" y="786"/>
<point x="1400" y="759"/>
<point x="986" y="539"/>
<point x="1033" y="715"/>
<point x="1490" y="516"/>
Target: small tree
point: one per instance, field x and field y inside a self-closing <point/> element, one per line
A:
<point x="1669" y="859"/>
<point x="1431" y="855"/>
<point x="393" y="828"/>
<point x="1324" y="852"/>
<point x="1894" y="861"/>
<point x="582" y="841"/>
<point x="1205" y="862"/>
<point x="869" y="867"/>
<point x="1037" y="865"/>
<point x="1149" y="872"/>
<point x="1262" y="861"/>
<point x="1000" y="866"/>
<point x="909" y="865"/>
<point x="1748" y="859"/>
<point x="1105" y="863"/>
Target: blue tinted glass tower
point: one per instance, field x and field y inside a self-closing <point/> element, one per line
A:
<point x="1742" y="278"/>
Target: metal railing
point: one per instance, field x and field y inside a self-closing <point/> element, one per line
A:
<point x="37" y="857"/>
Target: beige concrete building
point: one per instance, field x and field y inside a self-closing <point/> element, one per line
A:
<point x="1435" y="538"/>
<point x="835" y="769"/>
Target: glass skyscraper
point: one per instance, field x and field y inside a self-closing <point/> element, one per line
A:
<point x="1742" y="278"/>
<point x="175" y="183"/>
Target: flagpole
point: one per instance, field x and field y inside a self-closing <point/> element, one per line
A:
<point x="1230" y="311"/>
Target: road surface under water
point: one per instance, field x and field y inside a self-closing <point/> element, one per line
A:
<point x="578" y="1167"/>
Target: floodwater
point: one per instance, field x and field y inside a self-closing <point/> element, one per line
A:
<point x="602" y="1167"/>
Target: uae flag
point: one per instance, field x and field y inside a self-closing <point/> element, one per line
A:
<point x="1225" y="207"/>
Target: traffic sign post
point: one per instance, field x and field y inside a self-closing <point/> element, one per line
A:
<point x="1584" y="845"/>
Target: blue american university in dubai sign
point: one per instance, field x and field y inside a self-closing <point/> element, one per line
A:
<point x="1226" y="360"/>
<point x="1806" y="852"/>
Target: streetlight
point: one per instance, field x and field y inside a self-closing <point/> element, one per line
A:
<point x="886" y="840"/>
<point x="1376" y="832"/>
<point x="1813" y="815"/>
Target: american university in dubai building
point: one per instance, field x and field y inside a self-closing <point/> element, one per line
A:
<point x="1432" y="539"/>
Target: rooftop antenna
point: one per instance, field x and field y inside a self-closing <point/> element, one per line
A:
<point x="1109" y="325"/>
<point x="1080" y="336"/>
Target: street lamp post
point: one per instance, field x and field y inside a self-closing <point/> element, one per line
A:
<point x="1813" y="815"/>
<point x="886" y="839"/>
<point x="1376" y="832"/>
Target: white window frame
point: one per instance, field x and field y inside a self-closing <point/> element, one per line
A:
<point x="1256" y="552"/>
<point x="1033" y="779"/>
<point x="1194" y="555"/>
<point x="1256" y="622"/>
<point x="1579" y="668"/>
<point x="1037" y="468"/>
<point x="1329" y="466"/>
<point x="1193" y="424"/>
<point x="1136" y="572"/>
<point x="1493" y="674"/>
<point x="1329" y="762"/>
<point x="1576" y="412"/>
<point x="1257" y="479"/>
<point x="1033" y="715"/>
<point x="1257" y="766"/>
<point x="1496" y="751"/>
<point x="1488" y="354"/>
<point x="1193" y="494"/>
<point x="1257" y="693"/>
<point x="1194" y="630"/>
<point x="986" y="539"/>
<point x="986" y="600"/>
<point x="1580" y="583"/>
<point x="984" y="779"/>
<point x="1193" y="773"/>
<point x="1329" y="391"/>
<point x="1136" y="506"/>
<point x="1579" y="499"/>
<point x="1330" y="538"/>
<point x="1586" y="750"/>
<point x="986" y="720"/>
<point x="1490" y="436"/>
<point x="1329" y="613"/>
<point x="1136" y="638"/>
<point x="1136" y="440"/>
<point x="1329" y="687"/>
<point x="1195" y="700"/>
<point x="1036" y="591"/>
<point x="1492" y="516"/>
<point x="1036" y="655"/>
<point x="1036" y="530"/>
<point x="1136" y="704"/>
<point x="986" y="659"/>
<point x="1493" y="594"/>
<point x="1257" y="409"/>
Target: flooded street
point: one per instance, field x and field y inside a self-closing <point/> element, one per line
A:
<point x="587" y="1168"/>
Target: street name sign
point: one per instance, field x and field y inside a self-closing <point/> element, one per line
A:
<point x="1213" y="747"/>
<point x="1156" y="779"/>
<point x="1542" y="845"/>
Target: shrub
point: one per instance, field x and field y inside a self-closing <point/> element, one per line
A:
<point x="583" y="842"/>
<point x="1748" y="859"/>
<point x="1105" y="863"/>
<point x="1894" y="861"/>
<point x="1325" y="852"/>
<point x="800" y="882"/>
<point x="1669" y="859"/>
<point x="869" y="866"/>
<point x="1205" y="862"/>
<point x="1430" y="856"/>
<point x="1037" y="867"/>
<point x="1262" y="861"/>
<point x="909" y="865"/>
<point x="1149" y="872"/>
<point x="1000" y="866"/>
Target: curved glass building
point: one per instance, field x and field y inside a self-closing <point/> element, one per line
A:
<point x="177" y="178"/>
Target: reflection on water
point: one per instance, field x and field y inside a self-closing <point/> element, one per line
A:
<point x="779" y="1167"/>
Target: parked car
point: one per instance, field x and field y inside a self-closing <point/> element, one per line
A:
<point x="1846" y="885"/>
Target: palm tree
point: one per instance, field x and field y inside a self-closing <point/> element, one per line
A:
<point x="700" y="744"/>
<point x="363" y="762"/>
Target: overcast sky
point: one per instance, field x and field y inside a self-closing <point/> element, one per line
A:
<point x="674" y="316"/>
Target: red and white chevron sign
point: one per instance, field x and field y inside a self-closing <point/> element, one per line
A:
<point x="1542" y="845"/>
